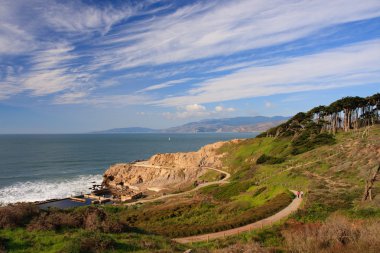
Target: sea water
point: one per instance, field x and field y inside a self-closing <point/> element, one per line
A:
<point x="41" y="167"/>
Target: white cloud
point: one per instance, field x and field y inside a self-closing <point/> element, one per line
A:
<point x="70" y="98"/>
<point x="197" y="111"/>
<point x="220" y="108"/>
<point x="268" y="104"/>
<point x="195" y="108"/>
<point x="349" y="65"/>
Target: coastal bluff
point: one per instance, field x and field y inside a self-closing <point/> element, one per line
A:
<point x="167" y="171"/>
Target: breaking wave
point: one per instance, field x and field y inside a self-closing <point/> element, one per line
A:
<point x="45" y="189"/>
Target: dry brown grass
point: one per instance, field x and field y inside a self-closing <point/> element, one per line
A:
<point x="252" y="247"/>
<point x="336" y="235"/>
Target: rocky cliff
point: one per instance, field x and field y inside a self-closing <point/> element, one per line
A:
<point x="164" y="171"/>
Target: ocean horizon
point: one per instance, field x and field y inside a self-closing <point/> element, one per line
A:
<point x="37" y="167"/>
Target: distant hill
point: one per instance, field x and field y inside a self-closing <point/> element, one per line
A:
<point x="238" y="124"/>
<point x="127" y="130"/>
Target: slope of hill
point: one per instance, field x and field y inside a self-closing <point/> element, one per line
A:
<point x="238" y="124"/>
<point x="336" y="166"/>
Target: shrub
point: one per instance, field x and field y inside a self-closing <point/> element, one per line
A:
<point x="3" y="248"/>
<point x="309" y="140"/>
<point x="336" y="234"/>
<point x="90" y="243"/>
<point x="269" y="159"/>
<point x="17" y="215"/>
<point x="96" y="243"/>
<point x="55" y="221"/>
<point x="225" y="192"/>
<point x="89" y="218"/>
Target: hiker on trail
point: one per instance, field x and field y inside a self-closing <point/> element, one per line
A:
<point x="298" y="194"/>
<point x="301" y="194"/>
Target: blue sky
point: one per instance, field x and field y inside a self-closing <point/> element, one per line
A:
<point x="77" y="66"/>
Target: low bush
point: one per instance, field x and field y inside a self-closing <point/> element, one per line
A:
<point x="308" y="140"/>
<point x="3" y="248"/>
<point x="90" y="243"/>
<point x="96" y="243"/>
<point x="225" y="192"/>
<point x="266" y="159"/>
<point x="337" y="234"/>
<point x="17" y="215"/>
<point x="89" y="218"/>
<point x="55" y="221"/>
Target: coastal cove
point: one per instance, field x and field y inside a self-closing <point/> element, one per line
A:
<point x="41" y="167"/>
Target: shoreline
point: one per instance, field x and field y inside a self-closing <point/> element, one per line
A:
<point x="139" y="162"/>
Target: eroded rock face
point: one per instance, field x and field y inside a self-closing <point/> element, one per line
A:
<point x="139" y="177"/>
<point x="205" y="157"/>
<point x="165" y="170"/>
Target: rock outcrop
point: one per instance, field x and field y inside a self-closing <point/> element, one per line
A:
<point x="169" y="171"/>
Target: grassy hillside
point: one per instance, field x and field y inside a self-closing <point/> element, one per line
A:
<point x="332" y="169"/>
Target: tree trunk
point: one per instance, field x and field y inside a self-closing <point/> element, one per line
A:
<point x="369" y="185"/>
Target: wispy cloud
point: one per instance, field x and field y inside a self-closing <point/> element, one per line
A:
<point x="74" y="51"/>
<point x="345" y="66"/>
<point x="165" y="84"/>
<point x="74" y="16"/>
<point x="206" y="29"/>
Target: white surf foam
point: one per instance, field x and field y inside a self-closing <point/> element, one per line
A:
<point x="44" y="190"/>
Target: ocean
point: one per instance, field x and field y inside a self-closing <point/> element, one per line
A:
<point x="41" y="167"/>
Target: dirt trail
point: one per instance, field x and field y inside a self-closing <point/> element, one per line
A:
<point x="326" y="179"/>
<point x="222" y="181"/>
<point x="235" y="231"/>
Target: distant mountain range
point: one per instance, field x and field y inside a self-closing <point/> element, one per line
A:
<point x="238" y="124"/>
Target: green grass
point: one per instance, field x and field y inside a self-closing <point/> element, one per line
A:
<point x="20" y="240"/>
<point x="227" y="191"/>
<point x="211" y="175"/>
<point x="259" y="195"/>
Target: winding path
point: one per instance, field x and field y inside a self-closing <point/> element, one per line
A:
<point x="293" y="206"/>
<point x="222" y="181"/>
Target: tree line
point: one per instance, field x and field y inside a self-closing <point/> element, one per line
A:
<point x="342" y="115"/>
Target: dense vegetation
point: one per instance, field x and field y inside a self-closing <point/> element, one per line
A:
<point x="346" y="113"/>
<point x="330" y="154"/>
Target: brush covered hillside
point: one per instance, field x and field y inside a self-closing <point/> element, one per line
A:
<point x="332" y="155"/>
